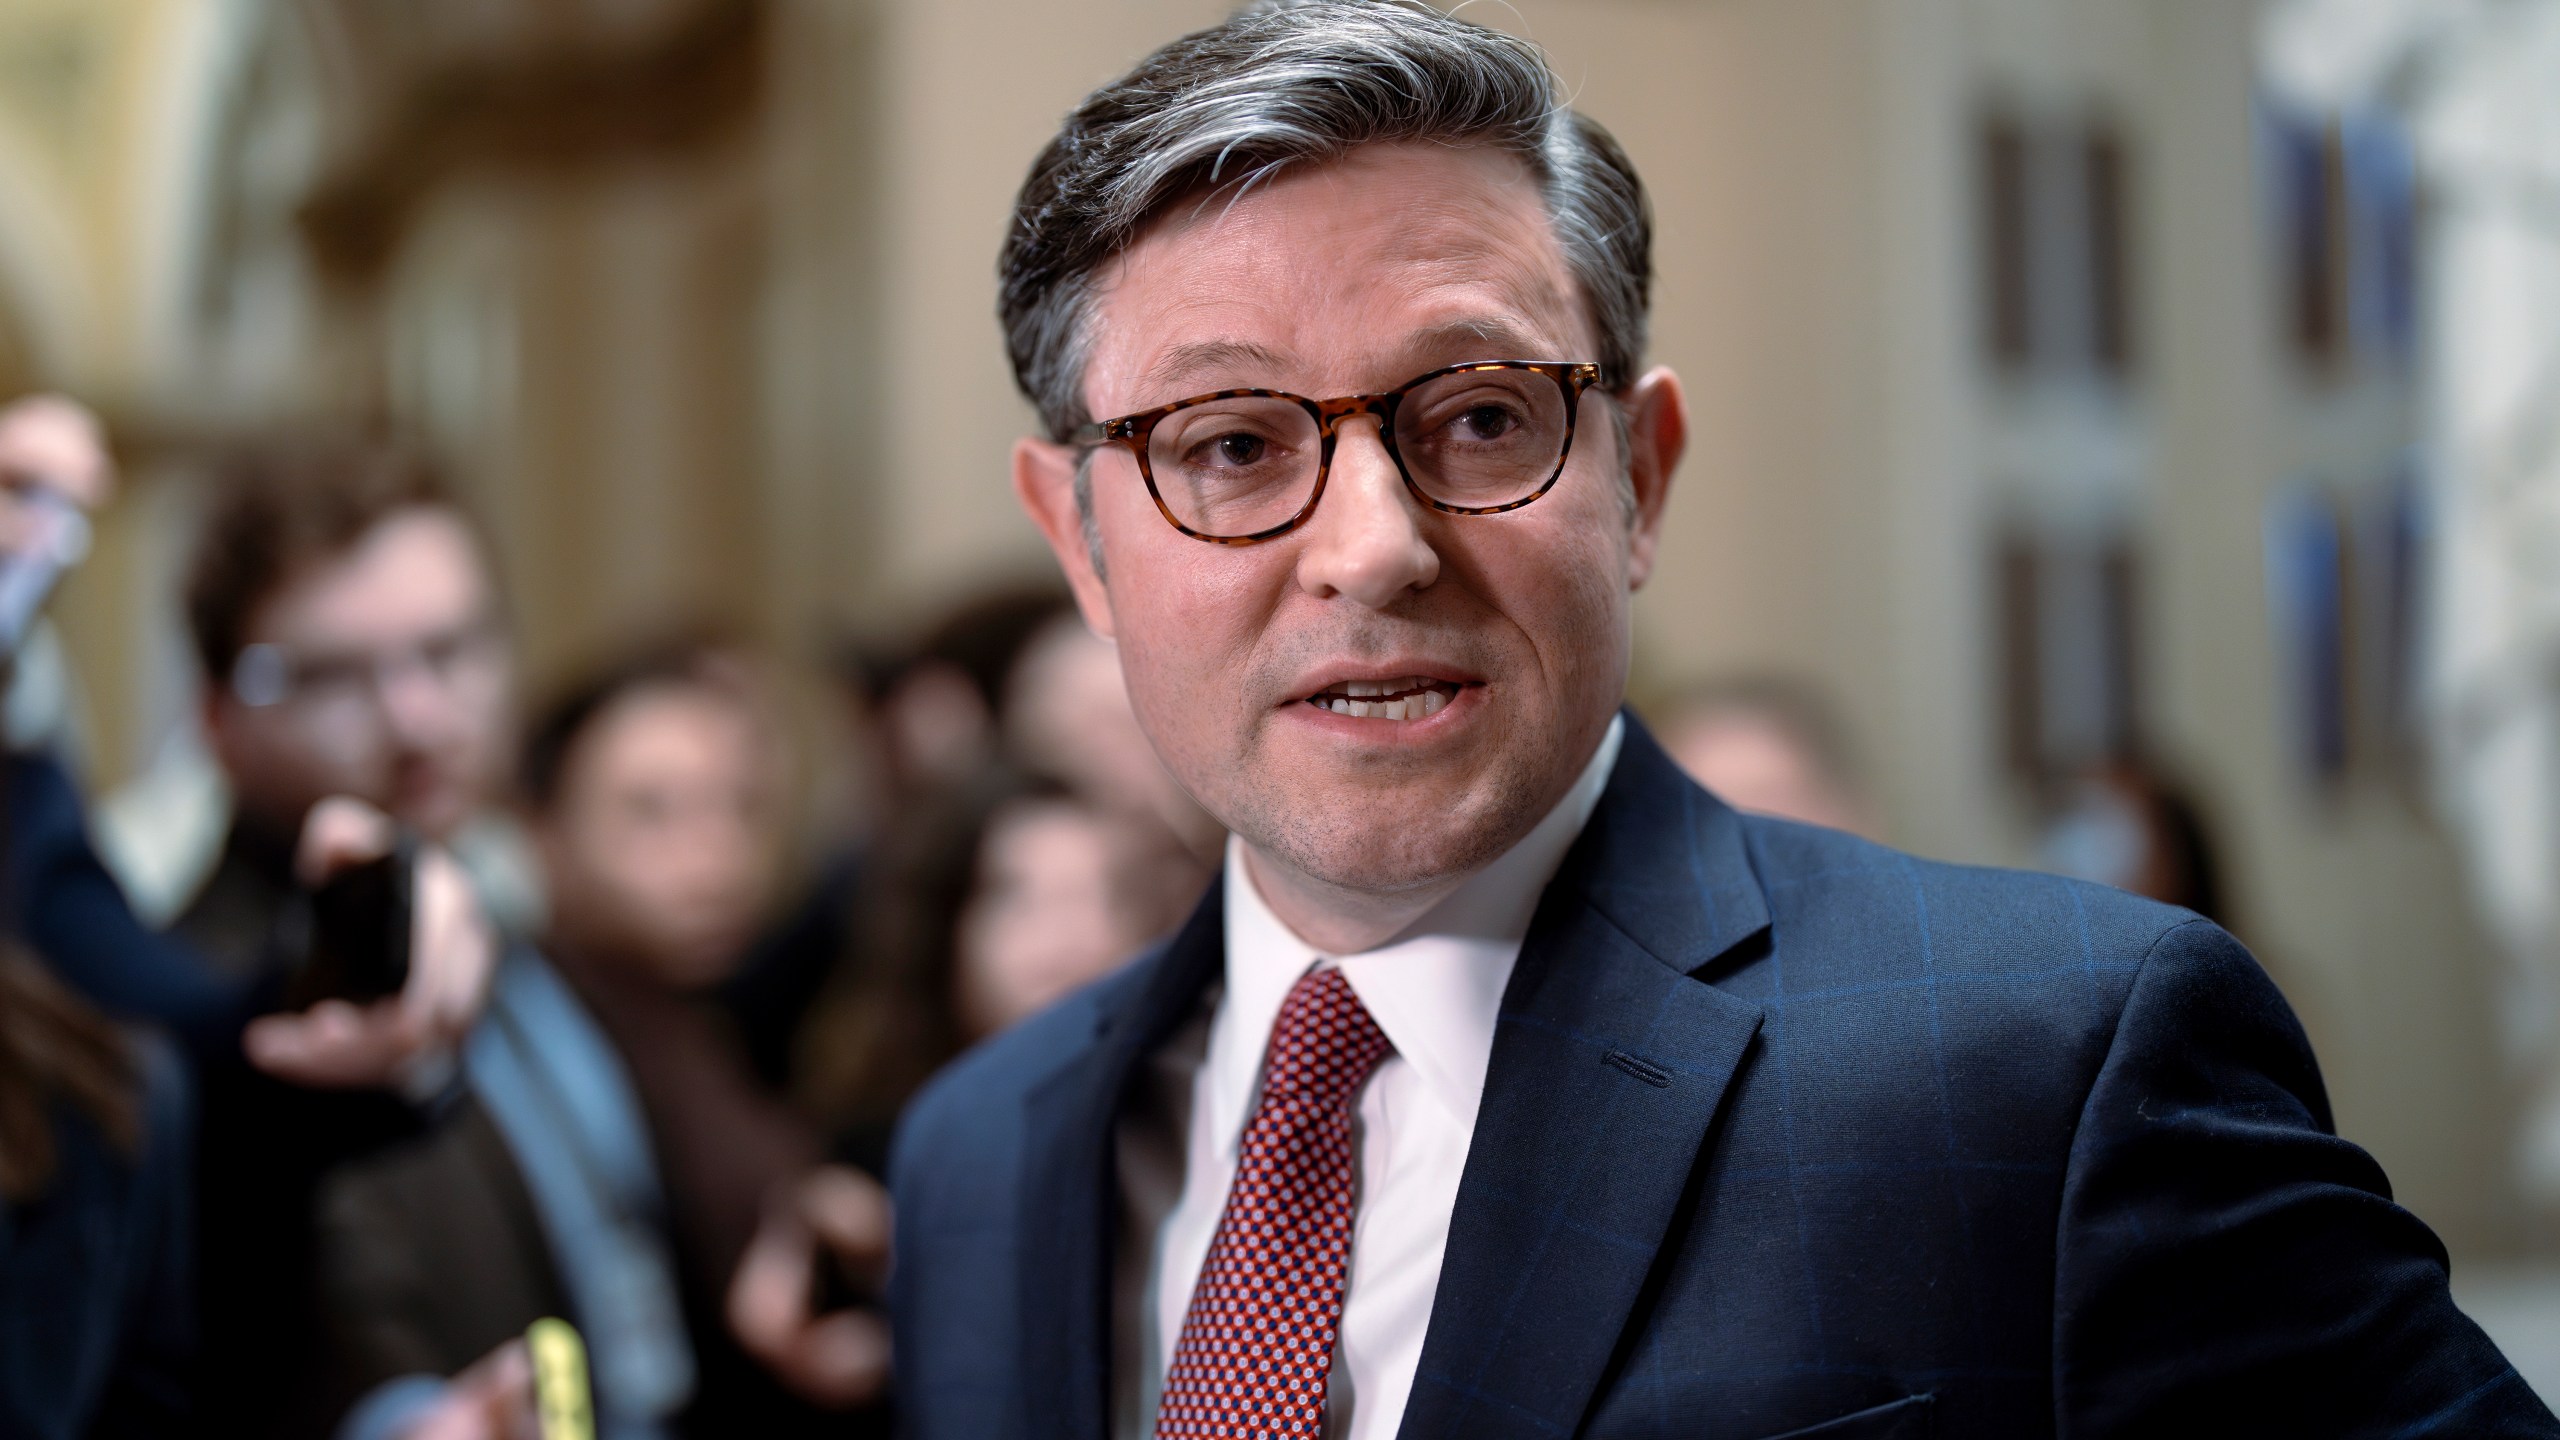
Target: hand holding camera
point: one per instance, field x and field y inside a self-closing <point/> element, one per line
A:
<point x="399" y="958"/>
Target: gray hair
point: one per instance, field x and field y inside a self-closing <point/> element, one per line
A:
<point x="1280" y="83"/>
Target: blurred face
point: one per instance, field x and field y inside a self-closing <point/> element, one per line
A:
<point x="380" y="673"/>
<point x="1052" y="910"/>
<point x="1354" y="277"/>
<point x="658" y="849"/>
<point x="1754" y="764"/>
<point x="937" y="728"/>
<point x="1067" y="714"/>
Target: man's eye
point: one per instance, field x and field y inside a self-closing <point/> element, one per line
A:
<point x="331" y="676"/>
<point x="1237" y="448"/>
<point x="1487" y="422"/>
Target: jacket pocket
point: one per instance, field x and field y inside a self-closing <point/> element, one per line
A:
<point x="1903" y="1419"/>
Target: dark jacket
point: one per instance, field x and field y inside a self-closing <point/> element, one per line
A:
<point x="262" y="1144"/>
<point x="71" y="912"/>
<point x="266" y="1147"/>
<point x="95" y="1320"/>
<point x="1782" y="1130"/>
<point x="436" y="1250"/>
<point x="431" y="1255"/>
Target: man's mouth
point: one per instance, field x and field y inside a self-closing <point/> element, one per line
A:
<point x="1413" y="697"/>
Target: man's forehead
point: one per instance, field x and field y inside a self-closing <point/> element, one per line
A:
<point x="1480" y="336"/>
<point x="418" y="563"/>
<point x="1393" y="254"/>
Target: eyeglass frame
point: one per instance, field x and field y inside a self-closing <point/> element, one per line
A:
<point x="262" y="675"/>
<point x="1134" y="430"/>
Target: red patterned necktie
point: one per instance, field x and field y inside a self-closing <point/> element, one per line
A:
<point x="1258" y="1339"/>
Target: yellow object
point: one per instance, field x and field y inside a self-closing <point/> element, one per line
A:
<point x="560" y="1395"/>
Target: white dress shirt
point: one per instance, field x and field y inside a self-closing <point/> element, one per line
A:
<point x="1435" y="991"/>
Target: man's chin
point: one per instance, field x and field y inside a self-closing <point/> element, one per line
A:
<point x="435" y="812"/>
<point x="1383" y="820"/>
<point x="1360" y="848"/>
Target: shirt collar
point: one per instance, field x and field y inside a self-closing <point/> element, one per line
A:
<point x="1434" y="989"/>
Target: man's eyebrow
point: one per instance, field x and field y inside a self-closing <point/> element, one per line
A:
<point x="1207" y="355"/>
<point x="1471" y="337"/>
<point x="1495" y="337"/>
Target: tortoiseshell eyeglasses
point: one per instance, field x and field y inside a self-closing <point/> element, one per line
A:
<point x="1240" y="466"/>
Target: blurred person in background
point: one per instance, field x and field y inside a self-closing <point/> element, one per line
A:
<point x="1066" y="713"/>
<point x="656" y="791"/>
<point x="917" y="719"/>
<point x="1010" y="892"/>
<point x="54" y="468"/>
<point x="96" y="1324"/>
<point x="941" y="707"/>
<point x="283" y="1092"/>
<point x="615" y="1150"/>
<point x="350" y="645"/>
<point x="350" y="640"/>
<point x="96" y="1318"/>
<point x="1065" y="889"/>
<point x="1771" y="746"/>
<point x="1015" y="892"/>
<point x="2130" y="825"/>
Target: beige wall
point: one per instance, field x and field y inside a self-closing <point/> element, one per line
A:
<point x="2354" y="896"/>
<point x="968" y="93"/>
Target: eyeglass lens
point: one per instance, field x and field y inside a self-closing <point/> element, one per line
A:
<point x="455" y="660"/>
<point x="1473" y="440"/>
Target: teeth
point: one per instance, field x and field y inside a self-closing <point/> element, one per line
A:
<point x="1370" y="688"/>
<point x="1420" y="706"/>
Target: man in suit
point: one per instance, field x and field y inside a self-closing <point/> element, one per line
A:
<point x="1508" y="1084"/>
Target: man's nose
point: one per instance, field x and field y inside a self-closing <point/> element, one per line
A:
<point x="1365" y="541"/>
<point x="416" y="708"/>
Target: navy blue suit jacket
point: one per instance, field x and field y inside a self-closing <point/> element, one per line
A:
<point x="1784" y="1134"/>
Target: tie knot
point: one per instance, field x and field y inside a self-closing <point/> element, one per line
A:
<point x="1324" y="1043"/>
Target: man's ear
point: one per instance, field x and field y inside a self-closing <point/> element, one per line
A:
<point x="1657" y="436"/>
<point x="1044" y="479"/>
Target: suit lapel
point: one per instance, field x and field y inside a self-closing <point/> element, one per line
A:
<point x="1070" y="1195"/>
<point x="1610" y="1063"/>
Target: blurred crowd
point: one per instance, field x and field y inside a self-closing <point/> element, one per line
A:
<point x="651" y="1029"/>
<point x="634" y="1045"/>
